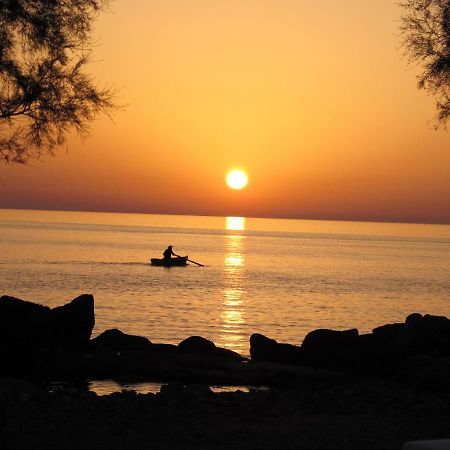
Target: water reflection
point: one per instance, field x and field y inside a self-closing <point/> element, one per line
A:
<point x="233" y="309"/>
<point x="235" y="223"/>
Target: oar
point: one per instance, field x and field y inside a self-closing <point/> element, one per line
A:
<point x="190" y="260"/>
<point x="195" y="262"/>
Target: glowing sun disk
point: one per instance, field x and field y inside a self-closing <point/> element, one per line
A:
<point x="237" y="179"/>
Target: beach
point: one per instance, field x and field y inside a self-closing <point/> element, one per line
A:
<point x="355" y="415"/>
<point x="339" y="389"/>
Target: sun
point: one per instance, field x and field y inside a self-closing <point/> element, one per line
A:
<point x="237" y="179"/>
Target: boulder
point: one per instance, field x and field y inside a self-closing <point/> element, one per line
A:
<point x="425" y="335"/>
<point x="413" y="318"/>
<point x="197" y="345"/>
<point x="323" y="338"/>
<point x="333" y="349"/>
<point x="191" y="393"/>
<point x="104" y="363"/>
<point x="263" y="348"/>
<point x="73" y="323"/>
<point x="17" y="359"/>
<point x="115" y="339"/>
<point x="373" y="354"/>
<point x="24" y="324"/>
<point x="28" y="325"/>
<point x="165" y="348"/>
<point x="229" y="354"/>
<point x="60" y="364"/>
<point x="388" y="334"/>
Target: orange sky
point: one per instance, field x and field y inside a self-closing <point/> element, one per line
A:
<point x="313" y="99"/>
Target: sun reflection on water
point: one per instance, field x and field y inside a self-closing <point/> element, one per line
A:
<point x="235" y="223"/>
<point x="233" y="309"/>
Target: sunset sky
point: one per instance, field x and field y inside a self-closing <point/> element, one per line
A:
<point x="314" y="100"/>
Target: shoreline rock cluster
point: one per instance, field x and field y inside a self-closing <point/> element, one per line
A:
<point x="40" y="344"/>
<point x="338" y="389"/>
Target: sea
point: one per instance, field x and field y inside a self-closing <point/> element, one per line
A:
<point x="278" y="277"/>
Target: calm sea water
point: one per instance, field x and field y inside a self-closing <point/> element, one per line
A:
<point x="281" y="278"/>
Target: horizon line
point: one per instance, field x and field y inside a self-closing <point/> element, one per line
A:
<point x="247" y="217"/>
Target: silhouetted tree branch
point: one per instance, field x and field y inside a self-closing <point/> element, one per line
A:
<point x="44" y="93"/>
<point x="426" y="39"/>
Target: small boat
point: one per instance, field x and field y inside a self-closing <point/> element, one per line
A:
<point x="180" y="261"/>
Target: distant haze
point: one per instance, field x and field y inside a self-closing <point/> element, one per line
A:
<point x="313" y="99"/>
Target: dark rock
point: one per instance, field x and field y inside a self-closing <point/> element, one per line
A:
<point x="165" y="348"/>
<point x="104" y="363"/>
<point x="425" y="335"/>
<point x="413" y="318"/>
<point x="197" y="345"/>
<point x="115" y="339"/>
<point x="28" y="330"/>
<point x="24" y="323"/>
<point x="61" y="364"/>
<point x="268" y="373"/>
<point x="190" y="393"/>
<point x="73" y="323"/>
<point x="198" y="391"/>
<point x="374" y="354"/>
<point x="16" y="360"/>
<point x="321" y="338"/>
<point x="36" y="326"/>
<point x="228" y="354"/>
<point x="389" y="333"/>
<point x="331" y="349"/>
<point x="263" y="348"/>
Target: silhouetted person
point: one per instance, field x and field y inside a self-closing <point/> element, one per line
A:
<point x="168" y="252"/>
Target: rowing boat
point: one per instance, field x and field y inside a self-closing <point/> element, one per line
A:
<point x="180" y="261"/>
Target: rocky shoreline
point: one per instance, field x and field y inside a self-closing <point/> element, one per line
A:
<point x="338" y="389"/>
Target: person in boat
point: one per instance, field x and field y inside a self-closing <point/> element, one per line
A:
<point x="168" y="252"/>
